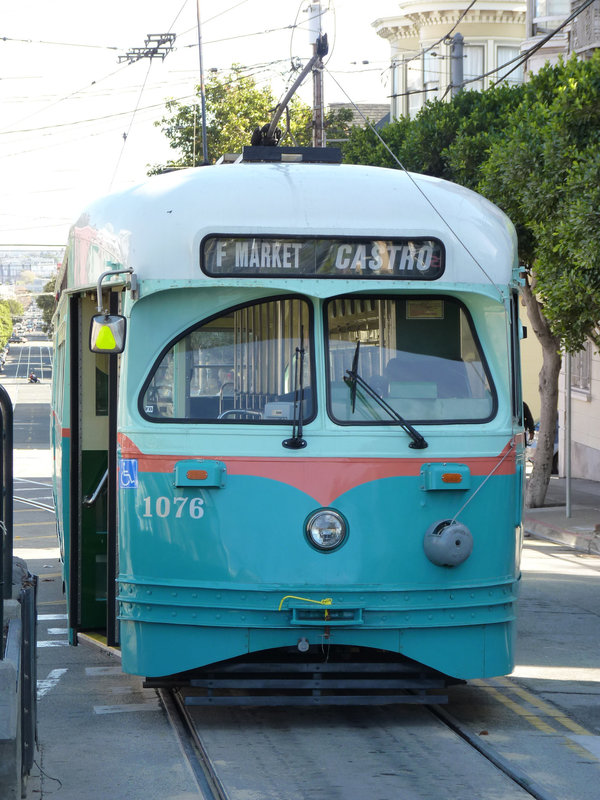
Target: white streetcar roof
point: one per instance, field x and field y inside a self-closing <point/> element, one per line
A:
<point x="157" y="226"/>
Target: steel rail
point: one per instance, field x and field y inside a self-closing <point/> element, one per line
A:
<point x="193" y="750"/>
<point x="488" y="752"/>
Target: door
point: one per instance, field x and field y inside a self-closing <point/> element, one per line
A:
<point x="92" y="545"/>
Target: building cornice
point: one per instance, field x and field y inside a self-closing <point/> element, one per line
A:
<point x="410" y="22"/>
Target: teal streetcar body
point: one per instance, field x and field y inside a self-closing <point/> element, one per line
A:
<point x="313" y="436"/>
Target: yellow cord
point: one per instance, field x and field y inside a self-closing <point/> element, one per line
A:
<point x="326" y="601"/>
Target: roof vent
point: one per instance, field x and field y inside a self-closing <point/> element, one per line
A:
<point x="305" y="155"/>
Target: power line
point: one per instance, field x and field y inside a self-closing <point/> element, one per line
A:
<point x="58" y="44"/>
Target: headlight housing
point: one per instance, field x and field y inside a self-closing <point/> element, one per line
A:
<point x="326" y="529"/>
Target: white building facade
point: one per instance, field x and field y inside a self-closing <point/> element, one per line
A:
<point x="421" y="38"/>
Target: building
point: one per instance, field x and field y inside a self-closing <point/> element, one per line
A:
<point x="376" y="114"/>
<point x="541" y="19"/>
<point x="421" y="43"/>
<point x="584" y="35"/>
<point x="580" y="36"/>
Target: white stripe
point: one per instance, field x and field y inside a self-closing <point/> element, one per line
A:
<point x="153" y="706"/>
<point x="43" y="687"/>
<point x="48" y="617"/>
<point x="36" y="553"/>
<point x="57" y="631"/>
<point x="54" y="643"/>
<point x="35" y="483"/>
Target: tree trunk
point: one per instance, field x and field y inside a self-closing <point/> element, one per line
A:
<point x="537" y="485"/>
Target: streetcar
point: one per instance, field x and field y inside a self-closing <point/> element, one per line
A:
<point x="287" y="420"/>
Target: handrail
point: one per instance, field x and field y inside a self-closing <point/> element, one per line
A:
<point x="89" y="500"/>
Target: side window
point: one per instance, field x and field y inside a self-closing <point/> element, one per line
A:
<point x="247" y="365"/>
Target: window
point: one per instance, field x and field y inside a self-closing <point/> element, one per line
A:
<point x="547" y="14"/>
<point x="581" y="369"/>
<point x="418" y="354"/>
<point x="414" y="86"/>
<point x="248" y="364"/>
<point x="473" y="66"/>
<point x="506" y="55"/>
<point x="431" y="75"/>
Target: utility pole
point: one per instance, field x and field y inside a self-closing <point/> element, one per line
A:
<point x="456" y="64"/>
<point x="202" y="92"/>
<point x="316" y="39"/>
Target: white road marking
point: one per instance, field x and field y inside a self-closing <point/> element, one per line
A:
<point x="54" y="643"/>
<point x="44" y="686"/>
<point x="127" y="707"/>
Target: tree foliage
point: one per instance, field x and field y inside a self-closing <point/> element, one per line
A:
<point x="6" y="322"/>
<point x="46" y="302"/>
<point x="532" y="150"/>
<point x="235" y="107"/>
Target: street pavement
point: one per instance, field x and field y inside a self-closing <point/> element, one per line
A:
<point x="100" y="733"/>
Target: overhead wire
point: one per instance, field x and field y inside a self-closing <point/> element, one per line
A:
<point x="126" y="134"/>
<point x="58" y="44"/>
<point x="417" y="187"/>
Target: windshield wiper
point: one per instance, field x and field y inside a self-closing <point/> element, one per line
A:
<point x="297" y="442"/>
<point x="354" y="379"/>
<point x="354" y="371"/>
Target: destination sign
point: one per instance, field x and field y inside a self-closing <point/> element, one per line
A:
<point x="274" y="257"/>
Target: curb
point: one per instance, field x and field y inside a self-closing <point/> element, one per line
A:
<point x="585" y="541"/>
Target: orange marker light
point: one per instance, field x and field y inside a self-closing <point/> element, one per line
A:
<point x="196" y="474"/>
<point x="452" y="477"/>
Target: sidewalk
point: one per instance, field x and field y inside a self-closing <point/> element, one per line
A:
<point x="580" y="531"/>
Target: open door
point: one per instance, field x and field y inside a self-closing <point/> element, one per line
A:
<point x="92" y="546"/>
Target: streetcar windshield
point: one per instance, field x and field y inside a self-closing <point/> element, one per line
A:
<point x="240" y="366"/>
<point x="419" y="354"/>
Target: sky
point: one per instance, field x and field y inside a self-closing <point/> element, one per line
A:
<point x="77" y="119"/>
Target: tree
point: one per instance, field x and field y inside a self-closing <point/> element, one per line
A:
<point x="46" y="302"/>
<point x="16" y="307"/>
<point x="545" y="175"/>
<point x="532" y="150"/>
<point x="235" y="107"/>
<point x="6" y="324"/>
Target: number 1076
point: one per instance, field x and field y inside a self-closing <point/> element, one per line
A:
<point x="177" y="507"/>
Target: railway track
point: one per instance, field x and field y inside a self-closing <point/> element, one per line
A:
<point x="329" y="754"/>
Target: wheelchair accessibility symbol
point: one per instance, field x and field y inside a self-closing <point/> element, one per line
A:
<point x="128" y="473"/>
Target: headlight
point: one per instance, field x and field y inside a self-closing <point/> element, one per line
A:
<point x="326" y="529"/>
